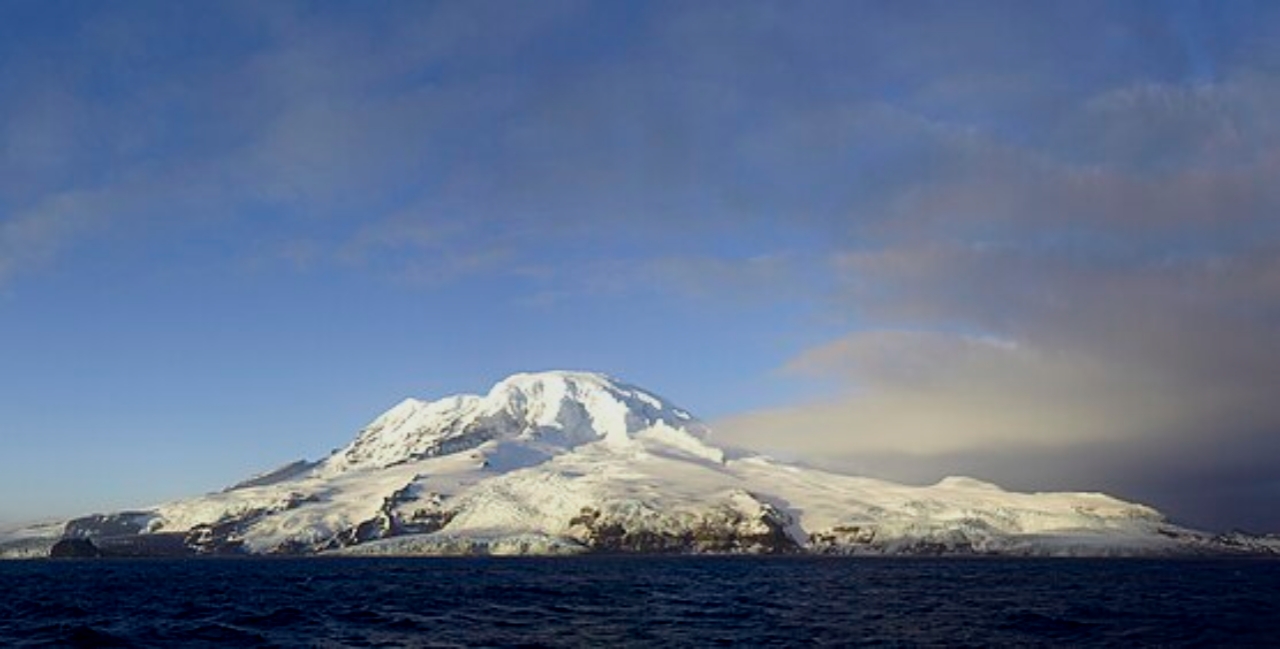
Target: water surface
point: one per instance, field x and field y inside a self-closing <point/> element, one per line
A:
<point x="638" y="601"/>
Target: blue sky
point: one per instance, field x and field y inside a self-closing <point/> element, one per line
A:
<point x="1035" y="242"/>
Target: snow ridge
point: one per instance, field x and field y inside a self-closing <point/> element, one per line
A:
<point x="555" y="411"/>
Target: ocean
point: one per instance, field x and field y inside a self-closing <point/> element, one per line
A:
<point x="632" y="601"/>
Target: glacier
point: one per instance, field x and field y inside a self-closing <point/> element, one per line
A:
<point x="566" y="462"/>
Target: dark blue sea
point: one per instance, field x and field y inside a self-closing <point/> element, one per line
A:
<point x="638" y="601"/>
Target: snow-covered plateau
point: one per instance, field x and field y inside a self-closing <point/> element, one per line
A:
<point x="575" y="462"/>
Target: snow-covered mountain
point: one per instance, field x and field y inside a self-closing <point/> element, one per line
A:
<point x="567" y="462"/>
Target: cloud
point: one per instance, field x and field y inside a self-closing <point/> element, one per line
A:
<point x="700" y="122"/>
<point x="32" y="238"/>
<point x="1155" y="382"/>
<point x="924" y="393"/>
<point x="1096" y="307"/>
<point x="746" y="284"/>
<point x="758" y="277"/>
<point x="928" y="393"/>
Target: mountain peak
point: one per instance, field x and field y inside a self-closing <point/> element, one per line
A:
<point x="521" y="379"/>
<point x="552" y="410"/>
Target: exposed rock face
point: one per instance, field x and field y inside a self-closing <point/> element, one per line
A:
<point x="399" y="515"/>
<point x="122" y="547"/>
<point x="225" y="536"/>
<point x="721" y="530"/>
<point x="75" y="548"/>
<point x="160" y="544"/>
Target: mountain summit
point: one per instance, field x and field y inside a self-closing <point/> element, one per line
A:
<point x="567" y="462"/>
<point x="539" y="414"/>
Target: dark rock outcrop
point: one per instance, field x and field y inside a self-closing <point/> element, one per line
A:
<point x="225" y="536"/>
<point x="389" y="522"/>
<point x="138" y="546"/>
<point x="74" y="548"/>
<point x="725" y="531"/>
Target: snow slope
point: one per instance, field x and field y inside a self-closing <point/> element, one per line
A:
<point x="565" y="462"/>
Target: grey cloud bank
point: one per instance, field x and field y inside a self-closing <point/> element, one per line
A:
<point x="1098" y="308"/>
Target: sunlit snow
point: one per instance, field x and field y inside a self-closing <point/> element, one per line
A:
<point x="566" y="462"/>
